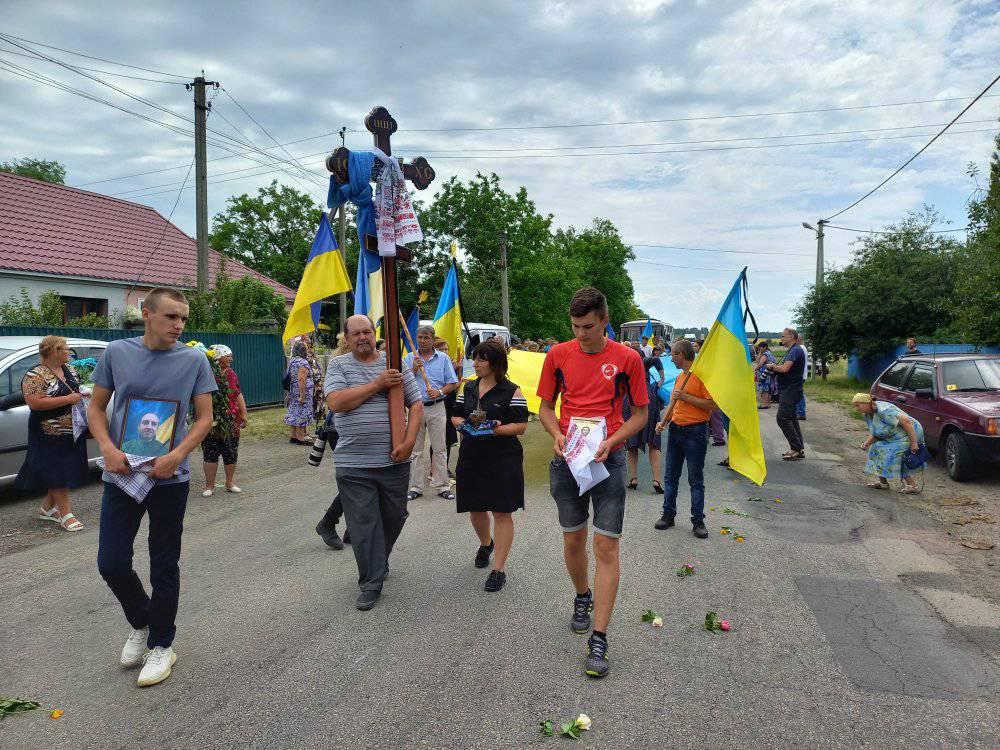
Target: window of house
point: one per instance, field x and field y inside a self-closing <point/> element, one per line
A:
<point x="77" y="307"/>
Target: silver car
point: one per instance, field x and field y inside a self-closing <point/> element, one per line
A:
<point x="18" y="354"/>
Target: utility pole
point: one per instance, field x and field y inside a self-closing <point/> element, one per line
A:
<point x="342" y="240"/>
<point x="818" y="364"/>
<point x="504" y="295"/>
<point x="201" y="177"/>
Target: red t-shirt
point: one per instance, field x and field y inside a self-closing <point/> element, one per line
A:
<point x="592" y="385"/>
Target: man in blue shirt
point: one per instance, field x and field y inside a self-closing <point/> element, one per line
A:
<point x="440" y="381"/>
<point x="790" y="374"/>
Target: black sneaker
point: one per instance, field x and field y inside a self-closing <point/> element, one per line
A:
<point x="329" y="534"/>
<point x="367" y="599"/>
<point x="700" y="531"/>
<point x="483" y="555"/>
<point x="496" y="580"/>
<point x="597" y="657"/>
<point x="665" y="522"/>
<point x="582" y="607"/>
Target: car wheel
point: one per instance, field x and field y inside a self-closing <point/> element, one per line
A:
<point x="957" y="457"/>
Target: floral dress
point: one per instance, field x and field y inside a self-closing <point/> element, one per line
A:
<point x="53" y="459"/>
<point x="766" y="382"/>
<point x="299" y="414"/>
<point x="885" y="456"/>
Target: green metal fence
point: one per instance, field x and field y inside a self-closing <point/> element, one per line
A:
<point x="258" y="358"/>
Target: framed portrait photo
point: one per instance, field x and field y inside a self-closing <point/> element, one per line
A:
<point x="149" y="426"/>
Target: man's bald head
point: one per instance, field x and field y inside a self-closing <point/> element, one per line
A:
<point x="360" y="336"/>
<point x="356" y="321"/>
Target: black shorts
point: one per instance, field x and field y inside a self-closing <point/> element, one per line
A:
<point x="228" y="448"/>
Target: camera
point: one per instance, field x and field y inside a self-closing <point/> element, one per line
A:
<point x="318" y="449"/>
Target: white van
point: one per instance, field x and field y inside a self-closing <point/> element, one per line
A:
<point x="479" y="332"/>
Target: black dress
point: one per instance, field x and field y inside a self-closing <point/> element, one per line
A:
<point x="647" y="436"/>
<point x="54" y="459"/>
<point x="490" y="472"/>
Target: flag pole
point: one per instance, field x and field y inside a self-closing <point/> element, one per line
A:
<point x="670" y="411"/>
<point x="416" y="354"/>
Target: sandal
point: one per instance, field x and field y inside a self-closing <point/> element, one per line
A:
<point x="70" y="523"/>
<point x="908" y="490"/>
<point x="724" y="462"/>
<point x="52" y="514"/>
<point x="877" y="485"/>
<point x="413" y="495"/>
<point x="794" y="455"/>
<point x="446" y="495"/>
<point x="633" y="483"/>
<point x="657" y="487"/>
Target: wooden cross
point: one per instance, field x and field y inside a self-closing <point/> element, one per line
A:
<point x="382" y="125"/>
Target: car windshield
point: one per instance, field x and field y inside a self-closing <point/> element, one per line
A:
<point x="972" y="375"/>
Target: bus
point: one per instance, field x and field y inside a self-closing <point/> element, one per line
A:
<point x="632" y="331"/>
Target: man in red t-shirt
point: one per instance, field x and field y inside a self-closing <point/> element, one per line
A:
<point x="591" y="374"/>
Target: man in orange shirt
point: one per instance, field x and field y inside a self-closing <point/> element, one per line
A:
<point x="687" y="439"/>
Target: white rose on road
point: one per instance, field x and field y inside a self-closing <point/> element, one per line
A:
<point x="657" y="622"/>
<point x="583" y="722"/>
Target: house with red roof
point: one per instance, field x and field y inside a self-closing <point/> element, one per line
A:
<point x="100" y="254"/>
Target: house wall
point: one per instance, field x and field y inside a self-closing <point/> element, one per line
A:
<point x="11" y="284"/>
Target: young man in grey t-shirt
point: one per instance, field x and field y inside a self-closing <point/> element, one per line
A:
<point x="154" y="380"/>
<point x="372" y="476"/>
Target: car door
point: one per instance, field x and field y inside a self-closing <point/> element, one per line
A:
<point x="14" y="422"/>
<point x="924" y="410"/>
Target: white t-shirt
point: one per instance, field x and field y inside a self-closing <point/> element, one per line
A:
<point x="807" y="370"/>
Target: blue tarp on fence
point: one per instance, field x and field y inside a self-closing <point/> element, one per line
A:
<point x="870" y="368"/>
<point x="258" y="358"/>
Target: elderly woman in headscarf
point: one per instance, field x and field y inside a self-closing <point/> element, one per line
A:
<point x="893" y="433"/>
<point x="300" y="394"/>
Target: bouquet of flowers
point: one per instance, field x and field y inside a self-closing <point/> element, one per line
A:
<point x="224" y="418"/>
<point x="84" y="368"/>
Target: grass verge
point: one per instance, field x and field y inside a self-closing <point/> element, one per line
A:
<point x="266" y="423"/>
<point x="838" y="388"/>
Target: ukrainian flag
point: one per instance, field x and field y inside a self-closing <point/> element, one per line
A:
<point x="448" y="318"/>
<point x="324" y="276"/>
<point x="724" y="366"/>
<point x="368" y="298"/>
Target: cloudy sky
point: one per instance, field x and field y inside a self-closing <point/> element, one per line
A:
<point x="667" y="113"/>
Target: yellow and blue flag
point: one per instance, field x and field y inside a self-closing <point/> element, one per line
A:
<point x="448" y="318"/>
<point x="324" y="276"/>
<point x="412" y="324"/>
<point x="725" y="367"/>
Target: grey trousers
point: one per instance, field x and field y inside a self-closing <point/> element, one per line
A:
<point x="375" y="509"/>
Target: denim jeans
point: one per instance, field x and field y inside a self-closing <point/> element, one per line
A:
<point x="120" y="519"/>
<point x="800" y="407"/>
<point x="688" y="443"/>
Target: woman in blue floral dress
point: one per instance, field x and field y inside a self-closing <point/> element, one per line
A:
<point x="300" y="394"/>
<point x="767" y="384"/>
<point x="893" y="432"/>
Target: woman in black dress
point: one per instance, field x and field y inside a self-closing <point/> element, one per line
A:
<point x="491" y="413"/>
<point x="54" y="462"/>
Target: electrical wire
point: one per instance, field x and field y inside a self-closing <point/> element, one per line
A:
<point x="717" y="250"/>
<point x="725" y="270"/>
<point x="698" y="118"/>
<point x="926" y="146"/>
<point x="97" y="70"/>
<point x="91" y="57"/>
<point x="880" y="231"/>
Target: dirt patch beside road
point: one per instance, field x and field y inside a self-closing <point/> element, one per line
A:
<point x="966" y="515"/>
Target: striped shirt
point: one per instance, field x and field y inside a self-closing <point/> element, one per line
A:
<point x="364" y="440"/>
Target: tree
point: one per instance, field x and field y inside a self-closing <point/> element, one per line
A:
<point x="898" y="284"/>
<point x="235" y="305"/>
<point x="19" y="310"/>
<point x="977" y="282"/>
<point x="38" y="169"/>
<point x="271" y="232"/>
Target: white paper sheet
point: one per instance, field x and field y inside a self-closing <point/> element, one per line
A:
<point x="583" y="439"/>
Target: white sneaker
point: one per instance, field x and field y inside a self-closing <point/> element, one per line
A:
<point x="234" y="489"/>
<point x="156" y="666"/>
<point x="135" y="648"/>
<point x="208" y="493"/>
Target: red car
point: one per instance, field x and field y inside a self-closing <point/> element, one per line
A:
<point x="956" y="398"/>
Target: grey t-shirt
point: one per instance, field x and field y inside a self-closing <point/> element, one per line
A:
<point x="364" y="437"/>
<point x="153" y="391"/>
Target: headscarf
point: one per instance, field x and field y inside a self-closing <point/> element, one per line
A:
<point x="299" y="349"/>
<point x="862" y="398"/>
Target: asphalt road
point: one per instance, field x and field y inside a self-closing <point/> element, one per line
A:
<point x="832" y="645"/>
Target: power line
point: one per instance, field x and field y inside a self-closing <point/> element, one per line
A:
<point x="97" y="70"/>
<point x="698" y="118"/>
<point x="91" y="57"/>
<point x="926" y="146"/>
<point x="725" y="270"/>
<point x="717" y="250"/>
<point x="879" y="231"/>
<point x="58" y="84"/>
<point x="232" y="98"/>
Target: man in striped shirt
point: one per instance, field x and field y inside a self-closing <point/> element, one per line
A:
<point x="372" y="476"/>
